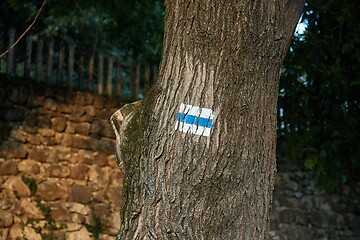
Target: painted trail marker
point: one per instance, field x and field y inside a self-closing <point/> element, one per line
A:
<point x="195" y="120"/>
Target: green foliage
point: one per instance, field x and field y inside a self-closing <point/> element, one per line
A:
<point x="319" y="94"/>
<point x="46" y="211"/>
<point x="30" y="182"/>
<point x="140" y="27"/>
<point x="97" y="228"/>
<point x="130" y="29"/>
<point x="23" y="10"/>
<point x="47" y="231"/>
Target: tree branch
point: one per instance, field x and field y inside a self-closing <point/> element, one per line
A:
<point x="293" y="8"/>
<point x="24" y="33"/>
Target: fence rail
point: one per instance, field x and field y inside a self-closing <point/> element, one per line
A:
<point x="55" y="62"/>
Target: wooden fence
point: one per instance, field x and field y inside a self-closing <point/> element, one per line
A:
<point x="60" y="64"/>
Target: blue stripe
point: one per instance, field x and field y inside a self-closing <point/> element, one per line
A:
<point x="191" y="119"/>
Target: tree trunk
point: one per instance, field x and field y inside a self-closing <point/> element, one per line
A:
<point x="199" y="154"/>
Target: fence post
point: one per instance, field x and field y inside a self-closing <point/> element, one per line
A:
<point x="39" y="57"/>
<point x="91" y="73"/>
<point x="11" y="54"/>
<point x="101" y="73"/>
<point x="136" y="83"/>
<point x="147" y="83"/>
<point x="155" y="74"/>
<point x="81" y="72"/>
<point x="118" y="78"/>
<point x="27" y="66"/>
<point x="1" y="47"/>
<point x="50" y="60"/>
<point x="71" y="66"/>
<point x="109" y="77"/>
<point x="60" y="65"/>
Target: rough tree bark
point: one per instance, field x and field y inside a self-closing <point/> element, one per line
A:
<point x="224" y="57"/>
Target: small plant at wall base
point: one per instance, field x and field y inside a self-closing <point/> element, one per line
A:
<point x="97" y="228"/>
<point x="30" y="182"/>
<point x="47" y="231"/>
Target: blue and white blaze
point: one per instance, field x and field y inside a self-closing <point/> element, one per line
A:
<point x="195" y="120"/>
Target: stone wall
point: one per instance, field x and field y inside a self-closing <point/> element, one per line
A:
<point x="303" y="212"/>
<point x="64" y="142"/>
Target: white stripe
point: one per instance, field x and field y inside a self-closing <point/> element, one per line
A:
<point x="206" y="113"/>
<point x="192" y="110"/>
<point x="193" y="129"/>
